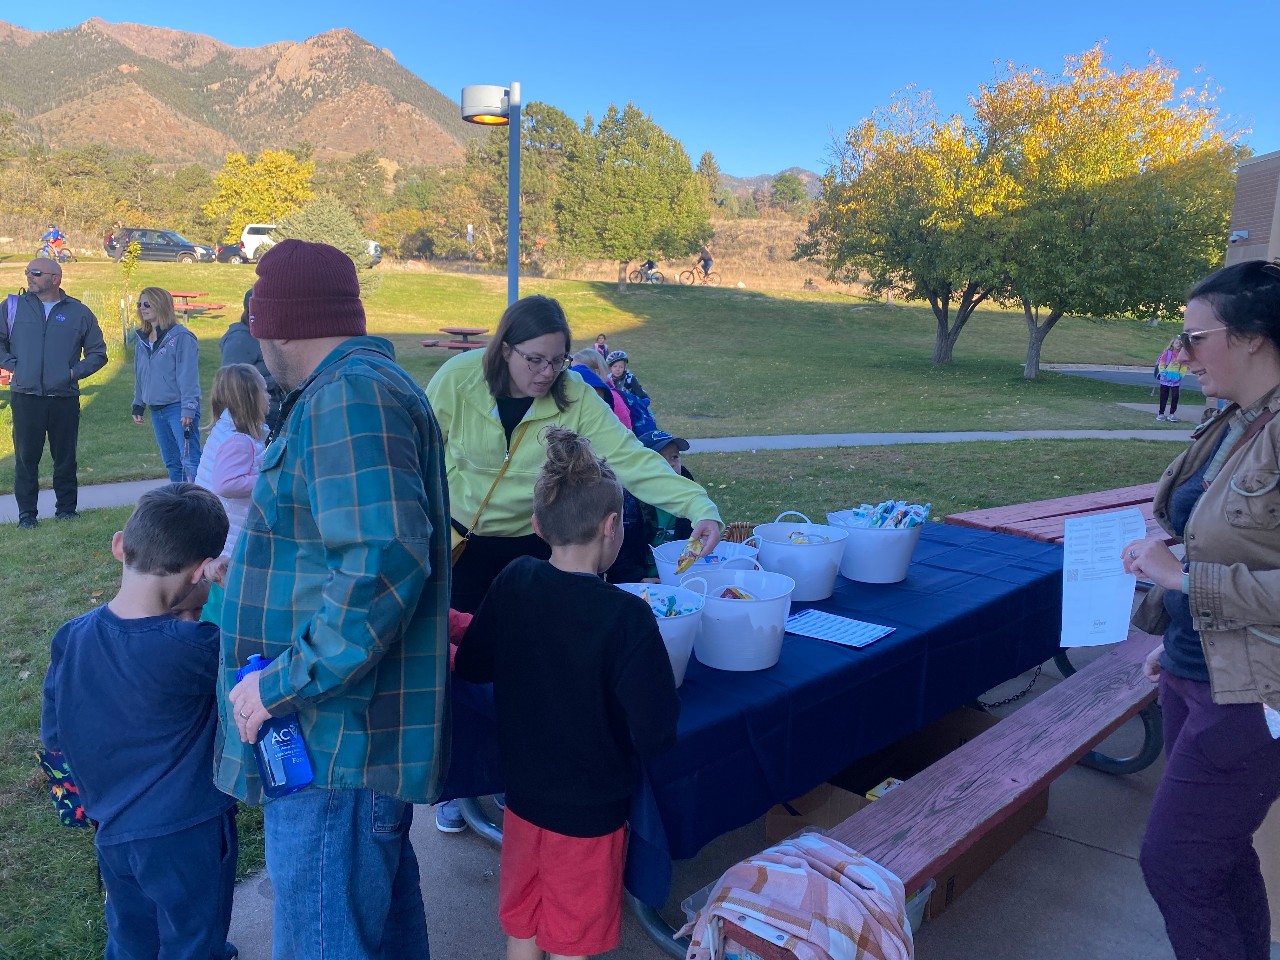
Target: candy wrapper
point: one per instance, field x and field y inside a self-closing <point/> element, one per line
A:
<point x="889" y="515"/>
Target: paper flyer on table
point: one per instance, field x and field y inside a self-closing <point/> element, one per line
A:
<point x="837" y="629"/>
<point x="1097" y="595"/>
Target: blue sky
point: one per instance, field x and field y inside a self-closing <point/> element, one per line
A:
<point x="764" y="86"/>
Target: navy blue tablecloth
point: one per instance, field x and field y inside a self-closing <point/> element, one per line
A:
<point x="975" y="609"/>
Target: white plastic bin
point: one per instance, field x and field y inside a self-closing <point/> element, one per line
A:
<point x="678" y="633"/>
<point x="813" y="566"/>
<point x="666" y="555"/>
<point x="743" y="634"/>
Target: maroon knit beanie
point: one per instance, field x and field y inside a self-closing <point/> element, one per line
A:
<point x="305" y="291"/>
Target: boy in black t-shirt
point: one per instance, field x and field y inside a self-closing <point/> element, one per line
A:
<point x="130" y="700"/>
<point x="583" y="688"/>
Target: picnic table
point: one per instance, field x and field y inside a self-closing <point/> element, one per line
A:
<point x="977" y="608"/>
<point x="1045" y="520"/>
<point x="184" y="302"/>
<point x="465" y="333"/>
<point x="464" y="341"/>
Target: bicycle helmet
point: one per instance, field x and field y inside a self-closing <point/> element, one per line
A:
<point x="614" y="356"/>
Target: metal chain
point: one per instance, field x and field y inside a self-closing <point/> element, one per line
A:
<point x="1017" y="696"/>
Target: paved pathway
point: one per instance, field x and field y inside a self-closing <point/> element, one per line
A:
<point x="123" y="494"/>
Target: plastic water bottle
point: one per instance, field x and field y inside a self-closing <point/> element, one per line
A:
<point x="282" y="755"/>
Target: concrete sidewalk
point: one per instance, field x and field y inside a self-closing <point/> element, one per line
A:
<point x="123" y="494"/>
<point x="1071" y="888"/>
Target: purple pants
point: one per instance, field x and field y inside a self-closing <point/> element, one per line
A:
<point x="1222" y="773"/>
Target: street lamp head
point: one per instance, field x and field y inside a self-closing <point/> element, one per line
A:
<point x="486" y="104"/>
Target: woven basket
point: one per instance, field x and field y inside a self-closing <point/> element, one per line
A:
<point x="738" y="532"/>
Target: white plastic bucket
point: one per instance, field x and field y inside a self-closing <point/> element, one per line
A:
<point x="743" y="634"/>
<point x="678" y="632"/>
<point x="812" y="566"/>
<point x="878" y="554"/>
<point x="666" y="555"/>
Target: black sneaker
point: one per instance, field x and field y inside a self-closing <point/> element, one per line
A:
<point x="230" y="952"/>
<point x="66" y="515"/>
<point x="28" y="521"/>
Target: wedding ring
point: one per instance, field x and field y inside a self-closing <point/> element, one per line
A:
<point x="243" y="715"/>
<point x="1133" y="555"/>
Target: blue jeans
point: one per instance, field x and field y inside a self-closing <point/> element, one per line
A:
<point x="346" y="878"/>
<point x="180" y="453"/>
<point x="170" y="896"/>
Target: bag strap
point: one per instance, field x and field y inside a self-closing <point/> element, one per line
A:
<point x="505" y="463"/>
<point x="11" y="310"/>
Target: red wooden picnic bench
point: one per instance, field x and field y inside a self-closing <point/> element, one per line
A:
<point x="1045" y="520"/>
<point x="455" y="344"/>
<point x="923" y="826"/>
<point x="200" y="306"/>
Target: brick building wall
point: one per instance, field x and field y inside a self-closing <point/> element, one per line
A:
<point x="1257" y="210"/>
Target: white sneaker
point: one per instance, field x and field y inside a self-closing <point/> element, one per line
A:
<point x="1171" y="419"/>
<point x="1159" y="416"/>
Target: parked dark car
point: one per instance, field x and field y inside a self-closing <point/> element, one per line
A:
<point x="165" y="245"/>
<point x="232" y="253"/>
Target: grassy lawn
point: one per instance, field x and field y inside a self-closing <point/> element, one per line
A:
<point x="724" y="362"/>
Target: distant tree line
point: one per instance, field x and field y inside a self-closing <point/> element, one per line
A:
<point x="619" y="189"/>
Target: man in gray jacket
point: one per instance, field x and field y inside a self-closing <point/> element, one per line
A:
<point x="49" y="342"/>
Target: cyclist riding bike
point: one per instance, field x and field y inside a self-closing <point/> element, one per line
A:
<point x="53" y="241"/>
<point x="704" y="261"/>
<point x="648" y="267"/>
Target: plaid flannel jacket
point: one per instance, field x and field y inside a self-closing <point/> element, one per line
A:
<point x="341" y="577"/>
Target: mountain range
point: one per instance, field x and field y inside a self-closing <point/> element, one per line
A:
<point x="188" y="98"/>
<point x="184" y="97"/>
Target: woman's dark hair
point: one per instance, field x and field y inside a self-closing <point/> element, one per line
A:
<point x="1245" y="297"/>
<point x="575" y="490"/>
<point x="526" y="319"/>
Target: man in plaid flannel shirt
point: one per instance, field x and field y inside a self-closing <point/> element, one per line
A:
<point x="341" y="579"/>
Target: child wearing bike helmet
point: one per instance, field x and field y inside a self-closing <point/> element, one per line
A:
<point x="623" y="378"/>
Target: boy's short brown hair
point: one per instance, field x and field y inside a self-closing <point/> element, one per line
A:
<point x="173" y="528"/>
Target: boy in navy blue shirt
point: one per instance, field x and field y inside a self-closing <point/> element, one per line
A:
<point x="129" y="699"/>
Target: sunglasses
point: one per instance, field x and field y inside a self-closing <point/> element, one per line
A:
<point x="143" y="303"/>
<point x="41" y="273"/>
<point x="1191" y="339"/>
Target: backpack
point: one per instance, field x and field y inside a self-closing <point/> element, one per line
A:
<point x="642" y="420"/>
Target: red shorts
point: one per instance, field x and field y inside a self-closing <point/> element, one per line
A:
<point x="565" y="892"/>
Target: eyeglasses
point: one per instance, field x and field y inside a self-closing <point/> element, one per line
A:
<point x="537" y="364"/>
<point x="41" y="273"/>
<point x="1189" y="340"/>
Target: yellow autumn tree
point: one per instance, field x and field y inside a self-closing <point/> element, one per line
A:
<point x="1094" y="192"/>
<point x="1125" y="187"/>
<point x="263" y="190"/>
<point x="913" y="206"/>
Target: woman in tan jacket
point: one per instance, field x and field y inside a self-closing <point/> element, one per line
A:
<point x="1219" y="611"/>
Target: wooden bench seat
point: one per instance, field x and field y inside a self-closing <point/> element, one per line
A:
<point x="920" y="828"/>
<point x="455" y="344"/>
<point x="199" y="306"/>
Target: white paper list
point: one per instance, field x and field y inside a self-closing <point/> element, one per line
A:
<point x="829" y="626"/>
<point x="1097" y="595"/>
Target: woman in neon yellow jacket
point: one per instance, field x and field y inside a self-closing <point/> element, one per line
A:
<point x="500" y="400"/>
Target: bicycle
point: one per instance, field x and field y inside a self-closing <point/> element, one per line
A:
<point x="60" y="253"/>
<point x="638" y="276"/>
<point x="711" y="279"/>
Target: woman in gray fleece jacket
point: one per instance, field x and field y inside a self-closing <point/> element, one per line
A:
<point x="166" y="369"/>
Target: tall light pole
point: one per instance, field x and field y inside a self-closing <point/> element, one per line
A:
<point x="490" y="105"/>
